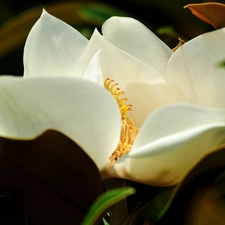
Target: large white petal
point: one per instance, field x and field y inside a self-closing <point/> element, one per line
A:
<point x="144" y="86"/>
<point x="172" y="141"/>
<point x="136" y="39"/>
<point x="52" y="48"/>
<point x="82" y="110"/>
<point x="193" y="74"/>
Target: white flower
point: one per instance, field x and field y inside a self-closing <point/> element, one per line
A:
<point x="178" y="98"/>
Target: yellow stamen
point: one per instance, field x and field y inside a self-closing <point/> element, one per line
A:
<point x="128" y="131"/>
<point x="181" y="42"/>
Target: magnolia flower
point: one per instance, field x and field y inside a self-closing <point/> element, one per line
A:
<point x="177" y="98"/>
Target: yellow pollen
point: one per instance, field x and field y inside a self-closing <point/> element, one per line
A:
<point x="128" y="131"/>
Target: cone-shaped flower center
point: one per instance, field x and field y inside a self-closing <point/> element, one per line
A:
<point x="128" y="131"/>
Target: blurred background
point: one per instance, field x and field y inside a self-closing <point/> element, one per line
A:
<point x="166" y="18"/>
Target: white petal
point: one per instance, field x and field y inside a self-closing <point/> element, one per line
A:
<point x="171" y="142"/>
<point x="52" y="48"/>
<point x="134" y="38"/>
<point x="95" y="44"/>
<point x="94" y="72"/>
<point x="82" y="110"/>
<point x="144" y="87"/>
<point x="193" y="74"/>
<point x="174" y="119"/>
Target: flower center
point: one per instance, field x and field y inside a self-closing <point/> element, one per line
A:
<point x="128" y="131"/>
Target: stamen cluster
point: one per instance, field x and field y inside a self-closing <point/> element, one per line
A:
<point x="116" y="92"/>
<point x="128" y="131"/>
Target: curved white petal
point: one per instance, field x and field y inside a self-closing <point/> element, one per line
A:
<point x="82" y="110"/>
<point x="95" y="44"/>
<point x="94" y="72"/>
<point x="52" y="48"/>
<point x="176" y="118"/>
<point x="171" y="142"/>
<point x="144" y="87"/>
<point x="193" y="74"/>
<point x="137" y="40"/>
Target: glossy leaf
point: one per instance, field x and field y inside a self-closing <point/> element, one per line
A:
<point x="52" y="178"/>
<point x="211" y="12"/>
<point x="106" y="200"/>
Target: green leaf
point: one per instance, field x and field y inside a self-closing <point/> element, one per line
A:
<point x="156" y="208"/>
<point x="51" y="177"/>
<point x="105" y="223"/>
<point x="168" y="30"/>
<point x="106" y="200"/>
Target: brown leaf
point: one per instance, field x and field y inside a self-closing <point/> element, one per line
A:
<point x="51" y="177"/>
<point x="206" y="208"/>
<point x="211" y="12"/>
<point x="201" y="176"/>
